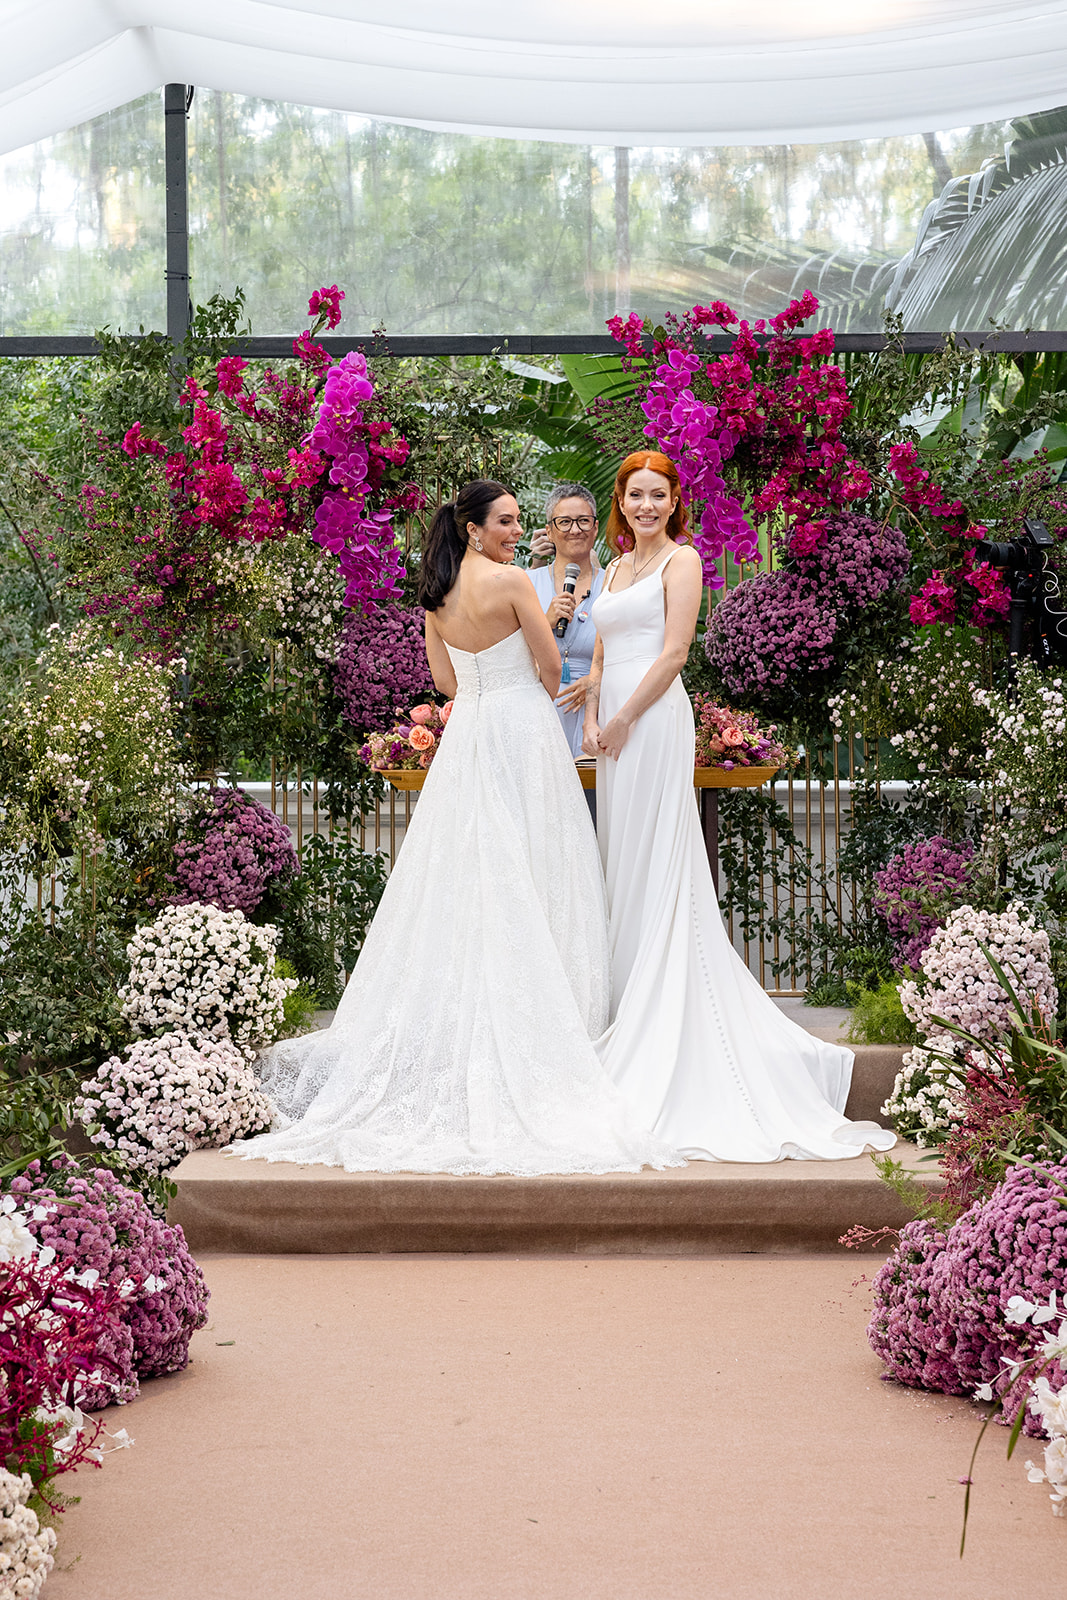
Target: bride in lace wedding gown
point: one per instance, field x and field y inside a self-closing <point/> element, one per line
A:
<point x="462" y="1041"/>
<point x="705" y="1057"/>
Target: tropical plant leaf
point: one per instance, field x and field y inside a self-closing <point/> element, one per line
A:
<point x="993" y="248"/>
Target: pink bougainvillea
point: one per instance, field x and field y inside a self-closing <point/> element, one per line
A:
<point x="775" y="410"/>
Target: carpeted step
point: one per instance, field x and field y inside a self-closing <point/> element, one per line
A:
<point x="786" y="1207"/>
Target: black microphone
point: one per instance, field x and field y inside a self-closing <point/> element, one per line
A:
<point x="570" y="582"/>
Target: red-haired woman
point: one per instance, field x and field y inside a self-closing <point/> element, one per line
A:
<point x="703" y="1054"/>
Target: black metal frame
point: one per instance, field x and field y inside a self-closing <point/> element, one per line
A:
<point x="276" y="347"/>
<point x="178" y="97"/>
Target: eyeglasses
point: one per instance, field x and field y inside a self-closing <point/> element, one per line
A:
<point x="565" y="524"/>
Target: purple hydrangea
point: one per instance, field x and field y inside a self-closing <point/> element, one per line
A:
<point x="916" y="890"/>
<point x="770" y="630"/>
<point x="231" y="851"/>
<point x="381" y="668"/>
<point x="96" y="1222"/>
<point x="859" y="559"/>
<point x="940" y="1300"/>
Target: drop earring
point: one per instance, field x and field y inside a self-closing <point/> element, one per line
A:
<point x="477" y="544"/>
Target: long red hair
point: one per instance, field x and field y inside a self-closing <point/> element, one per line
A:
<point x="618" y="533"/>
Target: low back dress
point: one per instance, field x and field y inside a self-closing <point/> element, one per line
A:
<point x="705" y="1057"/>
<point x="462" y="1041"/>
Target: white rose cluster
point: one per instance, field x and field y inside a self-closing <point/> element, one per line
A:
<point x="924" y="1104"/>
<point x="26" y="1548"/>
<point x="205" y="972"/>
<point x="957" y="983"/>
<point x="172" y="1094"/>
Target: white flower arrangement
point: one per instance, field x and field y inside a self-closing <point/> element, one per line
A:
<point x="205" y="972"/>
<point x="1042" y="1400"/>
<point x="957" y="983"/>
<point x="95" y="751"/>
<point x="924" y="1105"/>
<point x="170" y="1095"/>
<point x="26" y="1548"/>
<point x="1025" y="753"/>
<point x="922" y="701"/>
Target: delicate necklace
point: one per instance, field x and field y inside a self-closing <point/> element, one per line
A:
<point x="634" y="570"/>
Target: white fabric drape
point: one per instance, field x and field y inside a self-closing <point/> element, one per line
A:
<point x="685" y="72"/>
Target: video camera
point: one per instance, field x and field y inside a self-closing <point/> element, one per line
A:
<point x="1037" y="622"/>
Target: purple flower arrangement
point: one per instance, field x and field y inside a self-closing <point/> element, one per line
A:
<point x="855" y="557"/>
<point x="692" y="433"/>
<point x="231" y="852"/>
<point x="360" y="449"/>
<point x="95" y="1222"/>
<point x="915" y="891"/>
<point x="770" y="630"/>
<point x="381" y="667"/>
<point x="941" y="1300"/>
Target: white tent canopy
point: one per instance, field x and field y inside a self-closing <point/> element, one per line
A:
<point x="681" y="72"/>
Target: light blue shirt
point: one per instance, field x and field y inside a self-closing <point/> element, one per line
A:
<point x="577" y="645"/>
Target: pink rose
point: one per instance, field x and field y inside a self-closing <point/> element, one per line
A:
<point x="421" y="738"/>
<point x="733" y="735"/>
<point x="421" y="713"/>
<point x="446" y="712"/>
<point x="424" y="761"/>
<point x="716" y="744"/>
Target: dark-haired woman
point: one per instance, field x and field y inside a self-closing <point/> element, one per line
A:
<point x="703" y="1054"/>
<point x="462" y="1042"/>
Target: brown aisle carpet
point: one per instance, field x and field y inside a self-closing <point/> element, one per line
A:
<point x="463" y="1428"/>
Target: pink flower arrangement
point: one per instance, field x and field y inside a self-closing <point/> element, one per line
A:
<point x="956" y="982"/>
<point x="769" y="631"/>
<point x="728" y="739"/>
<point x="56" y="1331"/>
<point x="94" y="1222"/>
<point x="774" y="410"/>
<point x="361" y="447"/>
<point x="411" y="743"/>
<point x="917" y="888"/>
<point x="231" y="851"/>
<point x="941" y="1300"/>
<point x="381" y="666"/>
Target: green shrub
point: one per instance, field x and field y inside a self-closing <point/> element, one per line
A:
<point x="878" y="1016"/>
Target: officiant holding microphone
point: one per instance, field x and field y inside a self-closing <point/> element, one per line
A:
<point x="566" y="595"/>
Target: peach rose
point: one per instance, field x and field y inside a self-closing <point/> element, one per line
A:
<point x="421" y="738"/>
<point x="733" y="735"/>
<point x="446" y="711"/>
<point x="716" y="744"/>
<point x="421" y="713"/>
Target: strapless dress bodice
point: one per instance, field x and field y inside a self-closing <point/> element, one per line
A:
<point x="507" y="664"/>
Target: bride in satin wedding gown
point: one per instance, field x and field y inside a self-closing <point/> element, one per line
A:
<point x="705" y="1057"/>
<point x="462" y="1041"/>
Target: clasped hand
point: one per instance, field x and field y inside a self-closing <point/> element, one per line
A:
<point x="606" y="741"/>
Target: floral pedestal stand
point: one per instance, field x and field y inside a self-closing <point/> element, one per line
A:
<point x="706" y="780"/>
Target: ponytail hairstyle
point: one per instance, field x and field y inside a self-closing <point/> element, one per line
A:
<point x="445" y="544"/>
<point x="618" y="532"/>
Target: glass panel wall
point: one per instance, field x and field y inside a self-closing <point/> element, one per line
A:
<point x="433" y="233"/>
<point x="82" y="227"/>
